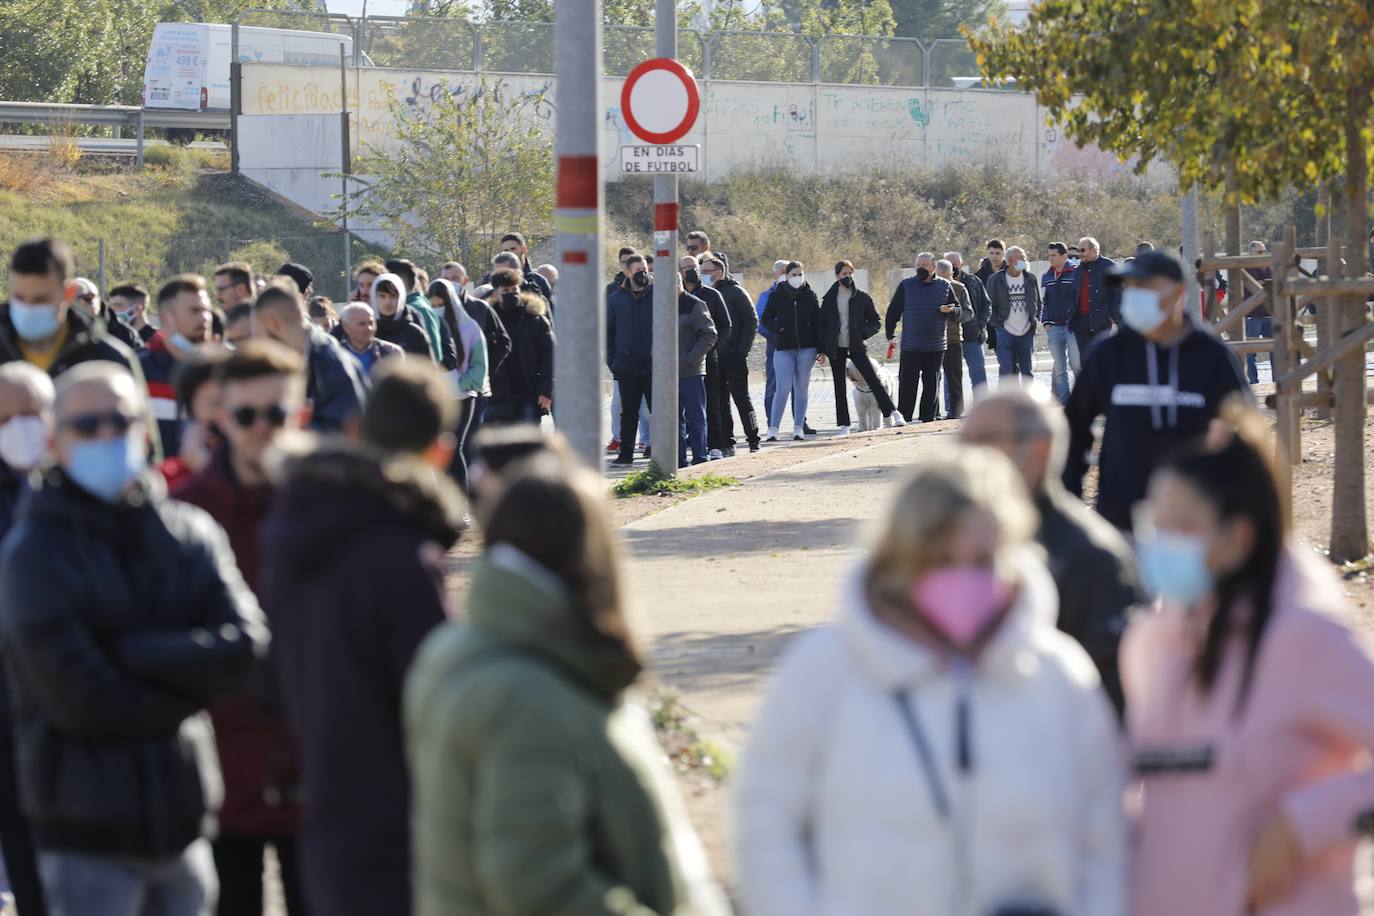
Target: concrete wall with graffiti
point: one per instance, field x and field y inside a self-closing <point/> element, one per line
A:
<point x="290" y="118"/>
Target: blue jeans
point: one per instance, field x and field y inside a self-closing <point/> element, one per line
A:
<point x="615" y="416"/>
<point x="691" y="405"/>
<point x="1257" y="327"/>
<point x="1064" y="349"/>
<point x="1014" y="354"/>
<point x="770" y="381"/>
<point x="77" y="884"/>
<point x="977" y="369"/>
<point x="793" y="368"/>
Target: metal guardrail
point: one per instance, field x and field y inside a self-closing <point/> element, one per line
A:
<point x="119" y="116"/>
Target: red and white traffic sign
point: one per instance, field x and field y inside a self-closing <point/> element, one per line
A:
<point x="660" y="101"/>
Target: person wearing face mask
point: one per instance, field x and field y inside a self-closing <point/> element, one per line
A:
<point x="522" y="390"/>
<point x="922" y="304"/>
<point x="940" y="749"/>
<point x="1247" y="696"/>
<point x="694" y="282"/>
<point x="620" y="280"/>
<point x="629" y="352"/>
<point x="129" y="303"/>
<point x="1159" y="381"/>
<point x="88" y="300"/>
<point x="734" y="356"/>
<point x="793" y="315"/>
<point x="975" y="330"/>
<point x="353" y="581"/>
<point x="952" y="369"/>
<point x="117" y="764"/>
<point x="26" y="398"/>
<point x="1015" y="297"/>
<point x="696" y="335"/>
<point x="848" y="318"/>
<point x="262" y="398"/>
<point x="184" y="306"/>
<point x="39" y="324"/>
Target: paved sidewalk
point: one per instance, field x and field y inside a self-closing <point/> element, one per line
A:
<point x="719" y="584"/>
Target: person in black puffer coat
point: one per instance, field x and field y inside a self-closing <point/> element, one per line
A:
<point x="123" y="616"/>
<point x="848" y="318"/>
<point x="793" y="314"/>
<point x="523" y="390"/>
<point x="734" y="356"/>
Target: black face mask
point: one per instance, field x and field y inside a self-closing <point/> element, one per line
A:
<point x="922" y="274"/>
<point x="640" y="278"/>
<point x="846" y="282"/>
<point x="510" y="300"/>
<point x="691" y="277"/>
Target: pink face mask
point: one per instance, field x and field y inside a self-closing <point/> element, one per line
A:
<point x="961" y="601"/>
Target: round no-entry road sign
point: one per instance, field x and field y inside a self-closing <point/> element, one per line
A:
<point x="660" y="101"/>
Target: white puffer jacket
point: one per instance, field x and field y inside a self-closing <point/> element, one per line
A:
<point x="836" y="816"/>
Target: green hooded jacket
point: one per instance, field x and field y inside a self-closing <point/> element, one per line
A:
<point x="536" y="791"/>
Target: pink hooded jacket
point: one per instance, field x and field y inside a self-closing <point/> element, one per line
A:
<point x="1211" y="779"/>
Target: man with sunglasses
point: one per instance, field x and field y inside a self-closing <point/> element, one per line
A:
<point x="262" y="394"/>
<point x="123" y="616"/>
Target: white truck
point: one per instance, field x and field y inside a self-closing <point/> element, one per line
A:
<point x="188" y="62"/>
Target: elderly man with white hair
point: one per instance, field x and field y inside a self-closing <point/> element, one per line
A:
<point x="1090" y="561"/>
<point x="922" y="304"/>
<point x="360" y="339"/>
<point x="1098" y="301"/>
<point x="1015" y="297"/>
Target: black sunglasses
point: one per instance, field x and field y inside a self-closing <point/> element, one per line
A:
<point x="88" y="425"/>
<point x="246" y="416"/>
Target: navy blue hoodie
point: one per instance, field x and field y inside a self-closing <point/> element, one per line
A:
<point x="1154" y="398"/>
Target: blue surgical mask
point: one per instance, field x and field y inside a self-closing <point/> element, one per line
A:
<point x="1174" y="567"/>
<point x="1140" y="309"/>
<point x="33" y="322"/>
<point x="182" y="343"/>
<point x="104" y="467"/>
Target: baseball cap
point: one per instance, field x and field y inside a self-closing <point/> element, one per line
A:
<point x="297" y="272"/>
<point x="1148" y="266"/>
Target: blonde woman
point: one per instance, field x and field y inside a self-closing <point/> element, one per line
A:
<point x="940" y="750"/>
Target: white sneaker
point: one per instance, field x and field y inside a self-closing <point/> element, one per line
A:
<point x="897" y="419"/>
<point x="842" y="432"/>
<point x="715" y="454"/>
<point x="798" y="434"/>
<point x="772" y="434"/>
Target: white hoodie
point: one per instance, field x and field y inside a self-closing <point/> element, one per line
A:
<point x="836" y="816"/>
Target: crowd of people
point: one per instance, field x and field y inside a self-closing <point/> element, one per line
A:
<point x="225" y="625"/>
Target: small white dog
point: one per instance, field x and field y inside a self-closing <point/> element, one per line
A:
<point x="866" y="410"/>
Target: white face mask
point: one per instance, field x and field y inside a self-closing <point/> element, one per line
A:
<point x="1140" y="309"/>
<point x="23" y="442"/>
<point x="796" y="282"/>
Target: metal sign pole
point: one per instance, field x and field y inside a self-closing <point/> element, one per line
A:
<point x="663" y="425"/>
<point x="579" y="357"/>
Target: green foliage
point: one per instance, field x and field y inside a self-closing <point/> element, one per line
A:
<point x="688" y="751"/>
<point x="1257" y="92"/>
<point x="931" y="19"/>
<point x="93" y="51"/>
<point x="460" y="174"/>
<point x="652" y="482"/>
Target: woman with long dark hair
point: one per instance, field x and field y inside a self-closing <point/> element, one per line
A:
<point x="537" y="787"/>
<point x="1248" y="701"/>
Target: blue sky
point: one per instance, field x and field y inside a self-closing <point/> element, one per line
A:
<point x="379" y="7"/>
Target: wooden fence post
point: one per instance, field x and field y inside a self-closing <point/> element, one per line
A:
<point x="1279" y="307"/>
<point x="1325" y="312"/>
<point x="1235" y="292"/>
<point x="1209" y="279"/>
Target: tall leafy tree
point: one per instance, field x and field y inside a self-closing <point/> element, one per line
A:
<point x="458" y="174"/>
<point x="1252" y="95"/>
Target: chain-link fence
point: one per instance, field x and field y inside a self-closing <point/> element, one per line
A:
<point x="527" y="47"/>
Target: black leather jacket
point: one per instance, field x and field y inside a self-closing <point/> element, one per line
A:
<point x="120" y="624"/>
